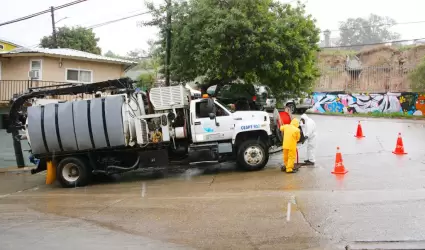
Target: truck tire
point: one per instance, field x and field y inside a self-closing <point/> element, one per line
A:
<point x="73" y="172"/>
<point x="291" y="107"/>
<point x="252" y="155"/>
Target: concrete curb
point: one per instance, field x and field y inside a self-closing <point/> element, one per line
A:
<point x="413" y="118"/>
<point x="408" y="245"/>
<point x="16" y="170"/>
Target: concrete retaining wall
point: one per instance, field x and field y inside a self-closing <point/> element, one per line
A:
<point x="405" y="102"/>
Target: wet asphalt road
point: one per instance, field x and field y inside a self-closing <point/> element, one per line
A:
<point x="380" y="199"/>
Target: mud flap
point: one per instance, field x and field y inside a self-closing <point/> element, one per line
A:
<point x="51" y="173"/>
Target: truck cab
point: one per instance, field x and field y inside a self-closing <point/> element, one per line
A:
<point x="217" y="123"/>
<point x="245" y="135"/>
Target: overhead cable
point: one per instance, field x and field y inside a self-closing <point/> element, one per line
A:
<point x="41" y="13"/>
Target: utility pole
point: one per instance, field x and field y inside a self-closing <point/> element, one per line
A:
<point x="327" y="34"/>
<point x="168" y="44"/>
<point x="55" y="42"/>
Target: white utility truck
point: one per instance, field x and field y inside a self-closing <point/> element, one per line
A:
<point x="124" y="132"/>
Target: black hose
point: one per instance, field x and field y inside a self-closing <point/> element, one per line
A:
<point x="135" y="166"/>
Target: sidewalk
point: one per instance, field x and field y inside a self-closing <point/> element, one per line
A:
<point x="12" y="182"/>
<point x="15" y="169"/>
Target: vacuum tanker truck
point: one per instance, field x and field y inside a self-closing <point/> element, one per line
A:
<point x="128" y="130"/>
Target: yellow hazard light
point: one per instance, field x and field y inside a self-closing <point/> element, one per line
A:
<point x="205" y="96"/>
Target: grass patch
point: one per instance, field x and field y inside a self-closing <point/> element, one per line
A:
<point x="374" y="115"/>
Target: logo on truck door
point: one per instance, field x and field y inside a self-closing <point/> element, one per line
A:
<point x="208" y="130"/>
<point x="254" y="126"/>
<point x="207" y="126"/>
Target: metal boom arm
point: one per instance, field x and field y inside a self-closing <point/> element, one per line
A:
<point x="64" y="89"/>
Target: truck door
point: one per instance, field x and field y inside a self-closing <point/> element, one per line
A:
<point x="216" y="129"/>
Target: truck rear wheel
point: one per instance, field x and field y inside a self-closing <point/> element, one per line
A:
<point x="292" y="108"/>
<point x="252" y="155"/>
<point x="73" y="172"/>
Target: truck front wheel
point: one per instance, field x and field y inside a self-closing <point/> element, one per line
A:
<point x="73" y="172"/>
<point x="252" y="155"/>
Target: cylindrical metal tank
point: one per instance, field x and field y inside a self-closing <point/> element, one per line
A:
<point x="79" y="125"/>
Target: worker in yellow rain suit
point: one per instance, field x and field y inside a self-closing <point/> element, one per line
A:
<point x="291" y="135"/>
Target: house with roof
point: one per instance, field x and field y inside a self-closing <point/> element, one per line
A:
<point x="23" y="68"/>
<point x="6" y="45"/>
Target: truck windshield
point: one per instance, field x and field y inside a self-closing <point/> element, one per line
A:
<point x="223" y="105"/>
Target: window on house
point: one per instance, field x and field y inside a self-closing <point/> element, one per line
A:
<point x="79" y="75"/>
<point x="1" y="47"/>
<point x="36" y="69"/>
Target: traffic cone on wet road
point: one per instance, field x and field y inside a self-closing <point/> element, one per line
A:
<point x="399" y="148"/>
<point x="339" y="165"/>
<point x="359" y="133"/>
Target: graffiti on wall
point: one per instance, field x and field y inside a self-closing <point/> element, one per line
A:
<point x="408" y="103"/>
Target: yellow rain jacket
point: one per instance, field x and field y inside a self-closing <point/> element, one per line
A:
<point x="291" y="134"/>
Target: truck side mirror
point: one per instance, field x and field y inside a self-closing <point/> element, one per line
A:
<point x="214" y="117"/>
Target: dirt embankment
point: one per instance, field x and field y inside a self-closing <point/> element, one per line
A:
<point x="383" y="68"/>
<point x="375" y="56"/>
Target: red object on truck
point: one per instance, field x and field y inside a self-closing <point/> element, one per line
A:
<point x="285" y="118"/>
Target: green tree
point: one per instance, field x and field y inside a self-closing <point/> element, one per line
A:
<point x="257" y="41"/>
<point x="136" y="55"/>
<point x="78" y="38"/>
<point x="110" y="54"/>
<point x="148" y="60"/>
<point x="374" y="29"/>
<point x="113" y="55"/>
<point x="146" y="80"/>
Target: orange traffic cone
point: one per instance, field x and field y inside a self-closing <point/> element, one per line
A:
<point x="359" y="133"/>
<point x="339" y="165"/>
<point x="399" y="148"/>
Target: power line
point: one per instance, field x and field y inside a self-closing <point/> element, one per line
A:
<point x="115" y="15"/>
<point x="41" y="12"/>
<point x="378" y="25"/>
<point x="116" y="20"/>
<point x="108" y="22"/>
<point x="369" y="44"/>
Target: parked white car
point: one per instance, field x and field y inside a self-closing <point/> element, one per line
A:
<point x="266" y="98"/>
<point x="294" y="104"/>
<point x="299" y="105"/>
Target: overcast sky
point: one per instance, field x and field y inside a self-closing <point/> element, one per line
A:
<point x="123" y="36"/>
